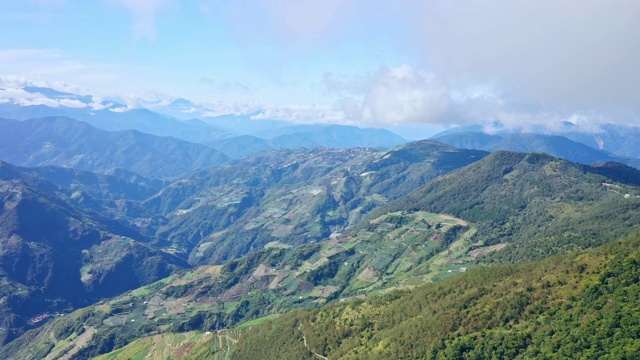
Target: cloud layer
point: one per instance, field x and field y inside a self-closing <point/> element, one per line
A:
<point x="544" y="59"/>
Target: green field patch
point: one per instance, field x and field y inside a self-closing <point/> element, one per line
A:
<point x="257" y="321"/>
<point x="349" y="245"/>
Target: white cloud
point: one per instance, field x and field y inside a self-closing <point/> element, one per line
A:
<point x="392" y="96"/>
<point x="558" y="55"/>
<point x="144" y="16"/>
<point x="549" y="59"/>
<point x="302" y="114"/>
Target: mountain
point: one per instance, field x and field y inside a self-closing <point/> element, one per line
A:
<point x="334" y="136"/>
<point x="191" y="122"/>
<point x="555" y="145"/>
<point x="244" y="124"/>
<point x="582" y="305"/>
<point x="541" y="204"/>
<point x="469" y="140"/>
<point x="617" y="140"/>
<point x="276" y="279"/>
<point x="291" y="196"/>
<point x="107" y="115"/>
<point x="305" y="136"/>
<point x="508" y="207"/>
<point x="239" y="147"/>
<point x="115" y="184"/>
<point x="66" y="142"/>
<point x="55" y="257"/>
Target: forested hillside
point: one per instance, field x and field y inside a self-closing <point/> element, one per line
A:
<point x="541" y="204"/>
<point x="505" y="207"/>
<point x="578" y="306"/>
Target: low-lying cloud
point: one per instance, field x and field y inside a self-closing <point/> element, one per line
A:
<point x="391" y="96"/>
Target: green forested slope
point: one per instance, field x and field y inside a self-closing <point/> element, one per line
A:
<point x="575" y="306"/>
<point x="541" y="204"/>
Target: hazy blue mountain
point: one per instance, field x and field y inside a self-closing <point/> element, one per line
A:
<point x="306" y="136"/>
<point x="459" y="130"/>
<point x="243" y="124"/>
<point x="66" y="142"/>
<point x="58" y="95"/>
<point x="617" y="140"/>
<point x="240" y="146"/>
<point x="555" y="145"/>
<point x="558" y="146"/>
<point x="468" y="140"/>
<point x="136" y="119"/>
<point x="335" y="136"/>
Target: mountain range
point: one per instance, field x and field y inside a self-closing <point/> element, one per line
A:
<point x="504" y="207"/>
<point x="555" y="145"/>
<point x="227" y="133"/>
<point x="70" y="143"/>
<point x="166" y="232"/>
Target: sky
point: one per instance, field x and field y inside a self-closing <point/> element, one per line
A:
<point x="412" y="65"/>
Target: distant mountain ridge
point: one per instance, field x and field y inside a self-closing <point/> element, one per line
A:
<point x="66" y="142"/>
<point x="617" y="140"/>
<point x="194" y="123"/>
<point x="555" y="145"/>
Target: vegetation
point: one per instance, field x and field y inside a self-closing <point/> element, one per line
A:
<point x="541" y="204"/>
<point x="297" y="230"/>
<point x="62" y="141"/>
<point x="582" y="305"/>
<point x="292" y="196"/>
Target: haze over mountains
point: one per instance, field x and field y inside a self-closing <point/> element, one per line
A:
<point x="353" y="179"/>
<point x="110" y="234"/>
<point x="234" y="135"/>
<point x="609" y="143"/>
<point x="241" y="135"/>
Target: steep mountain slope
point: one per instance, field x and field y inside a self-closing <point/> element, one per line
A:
<point x="616" y="139"/>
<point x="576" y="306"/>
<point x="54" y="257"/>
<point x="520" y="206"/>
<point x="274" y="280"/>
<point x="292" y="197"/>
<point x="70" y="143"/>
<point x="115" y="184"/>
<point x="542" y="204"/>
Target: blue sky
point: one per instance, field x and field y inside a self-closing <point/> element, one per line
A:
<point x="372" y="63"/>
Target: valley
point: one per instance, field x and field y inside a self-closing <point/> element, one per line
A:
<point x="301" y="229"/>
<point x="278" y="179"/>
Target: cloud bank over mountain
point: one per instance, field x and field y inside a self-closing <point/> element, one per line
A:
<point x="523" y="64"/>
